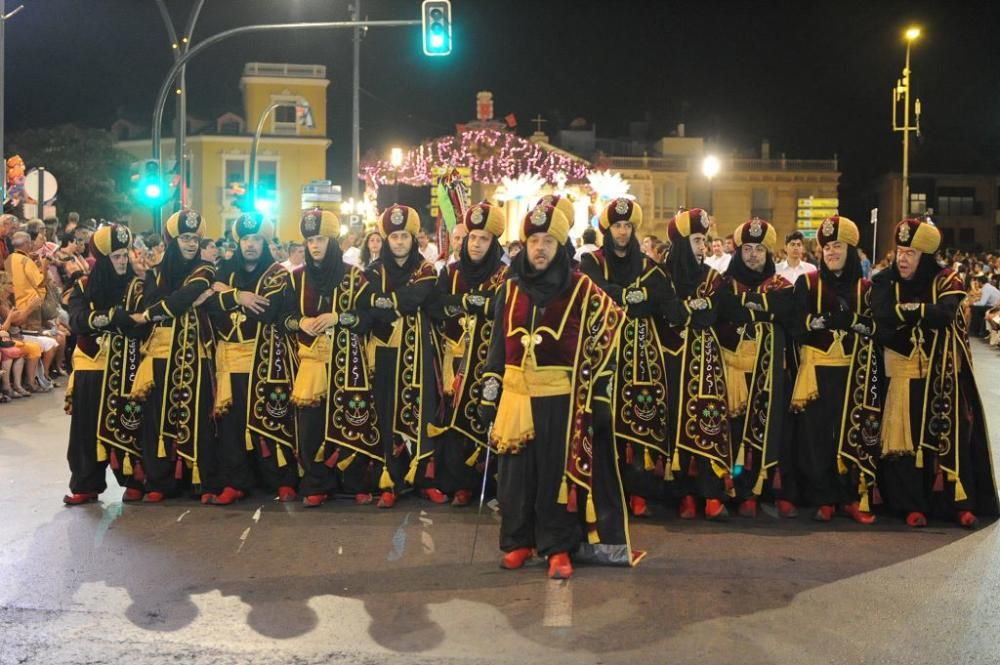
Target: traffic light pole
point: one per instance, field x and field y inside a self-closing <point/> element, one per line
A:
<point x="179" y="63"/>
<point x="252" y="180"/>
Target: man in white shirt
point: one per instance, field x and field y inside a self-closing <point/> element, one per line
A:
<point x="794" y="267"/>
<point x="296" y="256"/>
<point x="589" y="238"/>
<point x="719" y="259"/>
<point x="428" y="250"/>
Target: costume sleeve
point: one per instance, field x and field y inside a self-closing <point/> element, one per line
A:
<point x="81" y="316"/>
<point x="180" y="301"/>
<point x="442" y="303"/>
<point x="798" y="326"/>
<point x="496" y="357"/>
<point x="412" y="297"/>
<point x="592" y="269"/>
<point x="276" y="295"/>
<point x="941" y="314"/>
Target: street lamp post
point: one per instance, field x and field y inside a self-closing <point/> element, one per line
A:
<point x="902" y="91"/>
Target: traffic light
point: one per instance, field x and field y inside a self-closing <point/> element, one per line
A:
<point x="150" y="188"/>
<point x="436" y="22"/>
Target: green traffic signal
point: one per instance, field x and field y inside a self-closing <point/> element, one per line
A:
<point x="436" y="24"/>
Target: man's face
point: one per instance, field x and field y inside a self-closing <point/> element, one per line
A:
<point x="730" y="246"/>
<point x="754" y="255"/>
<point x="297" y="255"/>
<point x="478" y="243"/>
<point x="317" y="246"/>
<point x="50" y="230"/>
<point x="647" y="245"/>
<point x="794" y="249"/>
<point x="252" y="247"/>
<point x="907" y="260"/>
<point x="835" y="255"/>
<point x="457" y="235"/>
<point x="189" y="244"/>
<point x="119" y="259"/>
<point x="717" y="247"/>
<point x="698" y="245"/>
<point x="541" y="248"/>
<point x="401" y="242"/>
<point x="421" y="238"/>
<point x="621" y="234"/>
<point x="210" y="253"/>
<point x="82" y="237"/>
<point x="38" y="242"/>
<point x="6" y="225"/>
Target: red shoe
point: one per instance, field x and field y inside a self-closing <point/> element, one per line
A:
<point x="434" y="495"/>
<point x="560" y="567"/>
<point x="77" y="498"/>
<point x="515" y="558"/>
<point x="715" y="510"/>
<point x="968" y="519"/>
<point x="786" y="509"/>
<point x="363" y="499"/>
<point x="688" y="511"/>
<point x="638" y="506"/>
<point x="313" y="500"/>
<point x="154" y="497"/>
<point x="132" y="494"/>
<point x="462" y="498"/>
<point x="387" y="500"/>
<point x="824" y="514"/>
<point x="858" y="515"/>
<point x="748" y="508"/>
<point x="227" y="496"/>
<point x="286" y="494"/>
<point x="916" y="520"/>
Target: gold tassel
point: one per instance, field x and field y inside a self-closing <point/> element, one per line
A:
<point x="161" y="450"/>
<point x="434" y="430"/>
<point x="320" y="454"/>
<point x="841" y="467"/>
<point x="647" y="460"/>
<point x="102" y="454"/>
<point x="249" y="441"/>
<point x="344" y="463"/>
<point x="591" y="514"/>
<point x="718" y="469"/>
<point x="563" y="492"/>
<point x="741" y="456"/>
<point x="473" y="458"/>
<point x="127" y="465"/>
<point x="593" y="537"/>
<point x="668" y="473"/>
<point x="675" y="464"/>
<point x="864" y="507"/>
<point x="920" y="457"/>
<point x="195" y="476"/>
<point x="411" y="475"/>
<point x="385" y="481"/>
<point x="281" y="456"/>
<point x="759" y="487"/>
<point x="960" y="494"/>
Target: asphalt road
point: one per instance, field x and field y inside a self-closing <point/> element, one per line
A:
<point x="263" y="582"/>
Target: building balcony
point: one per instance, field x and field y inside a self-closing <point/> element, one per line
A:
<point x="284" y="69"/>
<point x="732" y="165"/>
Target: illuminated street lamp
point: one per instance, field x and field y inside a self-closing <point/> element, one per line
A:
<point x="396" y="157"/>
<point x="710" y="167"/>
<point x="902" y="92"/>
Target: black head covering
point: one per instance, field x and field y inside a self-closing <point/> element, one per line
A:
<point x="477" y="273"/>
<point x="845" y="283"/>
<point x="399" y="274"/>
<point x="915" y="288"/>
<point x="330" y="271"/>
<point x="246" y="279"/>
<point x="623" y="270"/>
<point x="684" y="268"/>
<point x="105" y="287"/>
<point x="174" y="269"/>
<point x="739" y="271"/>
<point x="541" y="286"/>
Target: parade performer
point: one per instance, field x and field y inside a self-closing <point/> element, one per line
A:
<point x="463" y="308"/>
<point x="935" y="447"/>
<point x="105" y="419"/>
<point x="554" y="334"/>
<point x="757" y="308"/>
<point x="639" y="403"/>
<point x="838" y="387"/>
<point x="407" y="379"/>
<point x="253" y="369"/>
<point x="700" y="453"/>
<point x="339" y="447"/>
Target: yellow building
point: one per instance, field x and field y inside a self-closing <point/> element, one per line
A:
<point x="767" y="187"/>
<point x="289" y="155"/>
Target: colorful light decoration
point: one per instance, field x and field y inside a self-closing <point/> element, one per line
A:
<point x="490" y="154"/>
<point x="608" y="185"/>
<point x="524" y="186"/>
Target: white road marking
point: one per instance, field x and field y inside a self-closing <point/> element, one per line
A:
<point x="182" y="515"/>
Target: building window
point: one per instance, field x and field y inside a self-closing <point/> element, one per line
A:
<point x="664" y="200"/>
<point x="918" y="203"/>
<point x="283" y="117"/>
<point x="948" y="237"/>
<point x="234" y="170"/>
<point x="956" y="201"/>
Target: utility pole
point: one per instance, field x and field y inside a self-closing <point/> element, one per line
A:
<point x="356" y="113"/>
<point x="3" y="23"/>
<point x="902" y="91"/>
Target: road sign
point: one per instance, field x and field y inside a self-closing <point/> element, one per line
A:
<point x="812" y="202"/>
<point x="815" y="213"/>
<point x="32" y="181"/>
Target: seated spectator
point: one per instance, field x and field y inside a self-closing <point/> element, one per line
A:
<point x="989" y="298"/>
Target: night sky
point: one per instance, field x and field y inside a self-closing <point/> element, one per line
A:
<point x="813" y="77"/>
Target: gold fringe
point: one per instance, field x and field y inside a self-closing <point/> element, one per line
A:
<point x="675" y="464"/>
<point x="281" y="456"/>
<point x="841" y="467"/>
<point x="411" y="475"/>
<point x="647" y="460"/>
<point x="195" y="476"/>
<point x="563" y="492"/>
<point x="864" y="507"/>
<point x="920" y="457"/>
<point x="759" y="487"/>
<point x="161" y="450"/>
<point x="741" y="456"/>
<point x="591" y="515"/>
<point x="385" y="480"/>
<point x="593" y="537"/>
<point x="434" y="430"/>
<point x="320" y="454"/>
<point x="127" y="465"/>
<point x="960" y="494"/>
<point x="473" y="458"/>
<point x="344" y="463"/>
<point x="102" y="453"/>
<point x="718" y="469"/>
<point x="668" y="472"/>
<point x="249" y="440"/>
